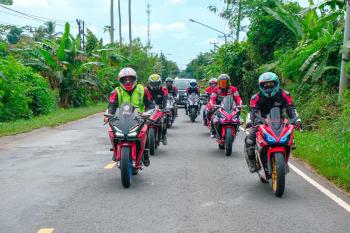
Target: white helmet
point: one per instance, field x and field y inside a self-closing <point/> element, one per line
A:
<point x="127" y="72"/>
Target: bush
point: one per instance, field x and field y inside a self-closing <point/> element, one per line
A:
<point x="23" y="93"/>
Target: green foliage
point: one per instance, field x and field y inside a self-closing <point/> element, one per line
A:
<point x="197" y="67"/>
<point x="22" y="92"/>
<point x="92" y="42"/>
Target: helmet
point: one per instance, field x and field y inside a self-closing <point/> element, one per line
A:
<point x="269" y="84"/>
<point x="154" y="81"/>
<point x="213" y="81"/>
<point x="127" y="78"/>
<point x="224" y="81"/>
<point x="193" y="83"/>
<point x="169" y="82"/>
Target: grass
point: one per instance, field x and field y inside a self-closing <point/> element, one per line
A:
<point x="58" y="117"/>
<point x="328" y="151"/>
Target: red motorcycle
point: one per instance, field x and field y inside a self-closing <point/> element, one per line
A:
<point x="128" y="137"/>
<point x="156" y="123"/>
<point x="227" y="121"/>
<point x="274" y="140"/>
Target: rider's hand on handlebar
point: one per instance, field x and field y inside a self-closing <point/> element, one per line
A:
<point x="106" y="120"/>
<point x="297" y="125"/>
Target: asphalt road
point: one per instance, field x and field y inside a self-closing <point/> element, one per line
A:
<point x="56" y="178"/>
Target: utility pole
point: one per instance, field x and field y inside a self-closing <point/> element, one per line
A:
<point x="130" y="36"/>
<point x="83" y="35"/>
<point x="112" y="22"/>
<point x="120" y="23"/>
<point x="239" y="19"/>
<point x="81" y="28"/>
<point x="343" y="84"/>
<point x="148" y="11"/>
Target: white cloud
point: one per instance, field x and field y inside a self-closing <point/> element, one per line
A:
<point x="31" y="3"/>
<point x="176" y="2"/>
<point x="177" y="30"/>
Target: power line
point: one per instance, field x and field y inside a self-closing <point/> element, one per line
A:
<point x="34" y="17"/>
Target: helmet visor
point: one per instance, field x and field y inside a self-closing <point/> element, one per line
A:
<point x="268" y="87"/>
<point x="127" y="80"/>
<point x="154" y="84"/>
<point x="224" y="83"/>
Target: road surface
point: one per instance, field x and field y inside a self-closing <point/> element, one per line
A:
<point x="55" y="179"/>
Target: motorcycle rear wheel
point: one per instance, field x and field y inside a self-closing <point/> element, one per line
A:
<point x="151" y="141"/>
<point x="278" y="174"/>
<point x="126" y="168"/>
<point x="228" y="142"/>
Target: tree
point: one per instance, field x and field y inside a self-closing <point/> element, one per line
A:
<point x="130" y="35"/>
<point x="120" y="23"/>
<point x="14" y="35"/>
<point x="112" y="22"/>
<point x="6" y="2"/>
<point x="92" y="42"/>
<point x="343" y="84"/>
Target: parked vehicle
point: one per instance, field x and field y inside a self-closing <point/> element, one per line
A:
<point x="274" y="140"/>
<point x="182" y="85"/>
<point x="130" y="136"/>
<point x="227" y="125"/>
<point x="193" y="106"/>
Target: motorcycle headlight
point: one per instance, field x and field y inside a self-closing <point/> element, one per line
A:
<point x="286" y="137"/>
<point x="118" y="132"/>
<point x="132" y="134"/>
<point x="269" y="139"/>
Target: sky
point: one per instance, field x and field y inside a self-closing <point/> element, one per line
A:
<point x="171" y="31"/>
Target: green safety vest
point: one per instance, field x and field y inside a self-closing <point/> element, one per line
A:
<point x="136" y="99"/>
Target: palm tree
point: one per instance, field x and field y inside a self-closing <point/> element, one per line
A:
<point x="130" y="36"/>
<point x="345" y="57"/>
<point x="120" y="23"/>
<point x="112" y="22"/>
<point x="50" y="29"/>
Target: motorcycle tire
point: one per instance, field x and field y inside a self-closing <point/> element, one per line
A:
<point x="193" y="114"/>
<point x="228" y="142"/>
<point x="151" y="141"/>
<point x="126" y="168"/>
<point x="278" y="174"/>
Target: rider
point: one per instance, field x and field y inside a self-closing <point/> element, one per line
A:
<point x="129" y="92"/>
<point x="160" y="96"/>
<point x="193" y="88"/>
<point x="223" y="89"/>
<point x="172" y="90"/>
<point x="213" y="82"/>
<point x="269" y="96"/>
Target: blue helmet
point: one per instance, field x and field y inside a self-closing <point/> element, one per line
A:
<point x="269" y="84"/>
<point x="193" y="83"/>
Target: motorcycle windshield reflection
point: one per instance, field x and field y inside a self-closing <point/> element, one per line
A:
<point x="228" y="104"/>
<point x="193" y="99"/>
<point x="276" y="120"/>
<point x="125" y="119"/>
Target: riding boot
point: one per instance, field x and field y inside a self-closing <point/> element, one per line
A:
<point x="250" y="154"/>
<point x="146" y="160"/>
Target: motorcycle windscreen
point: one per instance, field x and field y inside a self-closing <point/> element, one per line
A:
<point x="228" y="104"/>
<point x="193" y="99"/>
<point x="276" y="120"/>
<point x="126" y="118"/>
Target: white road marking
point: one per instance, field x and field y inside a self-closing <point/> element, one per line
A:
<point x="325" y="191"/>
<point x="46" y="230"/>
<point x="110" y="165"/>
<point x="322" y="189"/>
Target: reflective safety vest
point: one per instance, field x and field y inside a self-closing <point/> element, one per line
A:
<point x="136" y="99"/>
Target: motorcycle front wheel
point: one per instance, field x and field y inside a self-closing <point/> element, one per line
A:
<point x="228" y="142"/>
<point x="278" y="174"/>
<point x="151" y="141"/>
<point x="126" y="168"/>
<point x="193" y="114"/>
